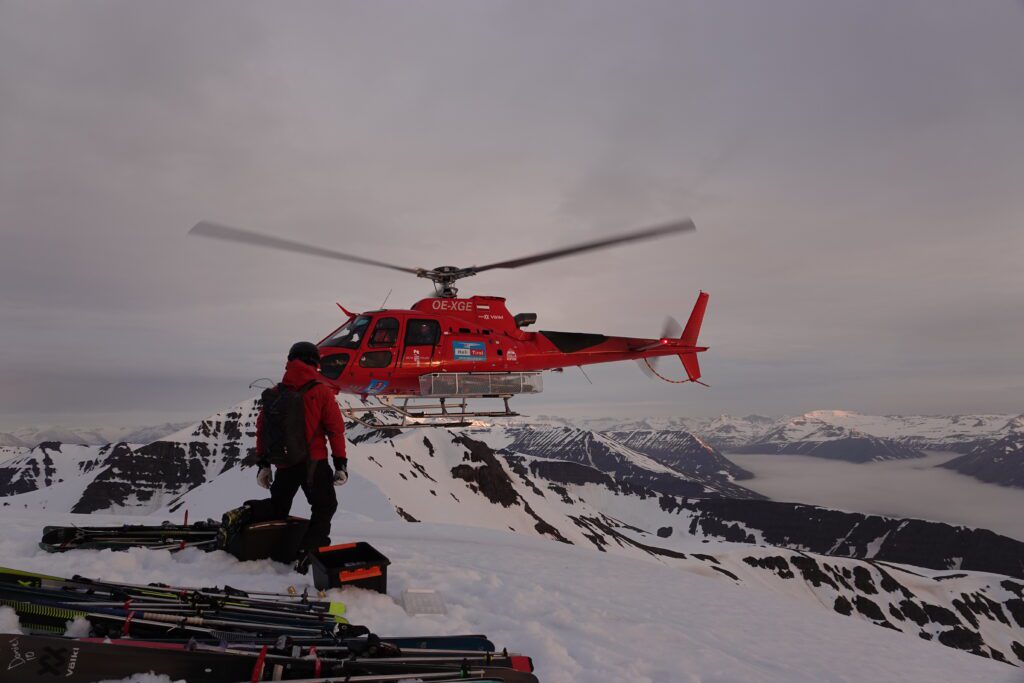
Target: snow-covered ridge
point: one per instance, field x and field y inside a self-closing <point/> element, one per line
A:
<point x="29" y="437"/>
<point x="451" y="477"/>
<point x="578" y="487"/>
<point x="806" y="435"/>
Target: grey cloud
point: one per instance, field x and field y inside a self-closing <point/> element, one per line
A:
<point x="854" y="171"/>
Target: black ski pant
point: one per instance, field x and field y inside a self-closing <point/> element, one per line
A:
<point x="316" y="479"/>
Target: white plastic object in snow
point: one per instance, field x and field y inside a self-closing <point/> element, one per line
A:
<point x="423" y="601"/>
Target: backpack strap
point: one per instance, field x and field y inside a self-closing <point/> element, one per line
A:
<point x="307" y="386"/>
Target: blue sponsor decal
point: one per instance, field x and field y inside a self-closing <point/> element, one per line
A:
<point x="376" y="386"/>
<point x="467" y="350"/>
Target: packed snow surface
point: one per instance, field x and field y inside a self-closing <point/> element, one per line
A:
<point x="582" y="615"/>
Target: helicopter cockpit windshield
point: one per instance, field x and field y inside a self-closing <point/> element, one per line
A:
<point x="349" y="335"/>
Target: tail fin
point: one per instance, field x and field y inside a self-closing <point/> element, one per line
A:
<point x="691" y="365"/>
<point x="690" y="334"/>
<point x="696" y="318"/>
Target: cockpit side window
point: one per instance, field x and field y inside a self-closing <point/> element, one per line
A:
<point x="385" y="333"/>
<point x="422" y="332"/>
<point x="349" y="335"/>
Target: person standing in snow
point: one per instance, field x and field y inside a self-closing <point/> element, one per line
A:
<point x="320" y="423"/>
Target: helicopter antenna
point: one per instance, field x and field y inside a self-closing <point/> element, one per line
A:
<point x="584" y="373"/>
<point x="382" y="303"/>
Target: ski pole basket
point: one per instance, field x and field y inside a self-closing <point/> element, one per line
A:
<point x="350" y="564"/>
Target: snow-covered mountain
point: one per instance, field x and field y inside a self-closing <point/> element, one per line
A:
<point x="727" y="433"/>
<point x="124" y="477"/>
<point x="648" y="493"/>
<point x="671" y="462"/>
<point x="811" y="435"/>
<point x="958" y="433"/>
<point x="1000" y="461"/>
<point x="458" y="477"/>
<point x="94" y="436"/>
<point x="11" y="441"/>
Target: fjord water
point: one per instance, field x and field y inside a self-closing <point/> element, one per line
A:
<point x="896" y="488"/>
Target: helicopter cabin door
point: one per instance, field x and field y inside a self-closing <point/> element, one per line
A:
<point x="421" y="339"/>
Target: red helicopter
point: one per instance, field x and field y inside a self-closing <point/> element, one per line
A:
<point x="424" y="365"/>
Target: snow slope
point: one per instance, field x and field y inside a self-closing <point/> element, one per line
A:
<point x="552" y="484"/>
<point x="414" y="473"/>
<point x="583" y="615"/>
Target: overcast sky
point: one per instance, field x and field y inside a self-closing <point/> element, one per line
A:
<point x="855" y="170"/>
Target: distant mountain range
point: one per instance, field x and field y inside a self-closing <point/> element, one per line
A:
<point x="989" y="443"/>
<point x="839" y="435"/>
<point x="806" y="435"/>
<point x="94" y="436"/>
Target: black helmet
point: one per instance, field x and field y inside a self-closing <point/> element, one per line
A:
<point x="305" y="351"/>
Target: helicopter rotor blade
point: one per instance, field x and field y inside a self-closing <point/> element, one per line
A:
<point x="224" y="232"/>
<point x="671" y="329"/>
<point x="635" y="236"/>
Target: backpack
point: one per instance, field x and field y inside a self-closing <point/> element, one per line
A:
<point x="284" y="425"/>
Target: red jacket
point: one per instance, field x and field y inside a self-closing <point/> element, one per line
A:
<point x="323" y="417"/>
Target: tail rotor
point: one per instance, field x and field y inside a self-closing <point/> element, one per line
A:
<point x="671" y="329"/>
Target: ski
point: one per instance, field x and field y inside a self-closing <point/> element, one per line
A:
<point x="208" y="596"/>
<point x="226" y="609"/>
<point x="41" y="658"/>
<point x="166" y="536"/>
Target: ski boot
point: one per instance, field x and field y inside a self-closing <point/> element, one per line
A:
<point x="231" y="524"/>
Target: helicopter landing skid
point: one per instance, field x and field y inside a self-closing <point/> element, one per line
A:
<point x="404" y="412"/>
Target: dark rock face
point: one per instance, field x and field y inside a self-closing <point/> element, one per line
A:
<point x="688" y="467"/>
<point x="682" y="452"/>
<point x="832" y="532"/>
<point x="997" y="462"/>
<point x="136" y="476"/>
<point x="152" y="475"/>
<point x="45" y="465"/>
<point x="486" y="475"/>
<point x="859" y="449"/>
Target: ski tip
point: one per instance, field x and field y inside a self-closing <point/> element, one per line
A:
<point x="337" y="609"/>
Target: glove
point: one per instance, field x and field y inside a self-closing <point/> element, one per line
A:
<point x="340" y="471"/>
<point x="265" y="476"/>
